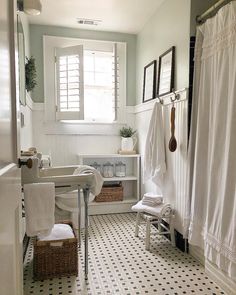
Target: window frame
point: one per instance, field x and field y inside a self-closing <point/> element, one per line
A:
<point x="49" y="45"/>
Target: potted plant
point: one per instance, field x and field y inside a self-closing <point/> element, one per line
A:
<point x="127" y="141"/>
<point x="30" y="74"/>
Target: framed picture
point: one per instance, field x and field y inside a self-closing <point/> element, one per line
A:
<point x="149" y="81"/>
<point x="166" y="72"/>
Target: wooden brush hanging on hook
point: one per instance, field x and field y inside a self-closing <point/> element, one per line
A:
<point x="173" y="141"/>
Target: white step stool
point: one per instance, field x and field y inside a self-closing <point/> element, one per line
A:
<point x="154" y="215"/>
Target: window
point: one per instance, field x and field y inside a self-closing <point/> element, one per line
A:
<point x="87" y="83"/>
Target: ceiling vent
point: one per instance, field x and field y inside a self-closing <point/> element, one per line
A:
<point x="86" y="21"/>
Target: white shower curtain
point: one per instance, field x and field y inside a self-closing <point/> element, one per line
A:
<point x="211" y="208"/>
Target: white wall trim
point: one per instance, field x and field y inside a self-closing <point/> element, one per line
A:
<point x="219" y="277"/>
<point x="143" y="107"/>
<point x="167" y="99"/>
<point x="197" y="253"/>
<point x="34" y="106"/>
<point x="64" y="128"/>
<point x="29" y="101"/>
<point x="130" y="109"/>
<point x="81" y="128"/>
<point x="38" y="106"/>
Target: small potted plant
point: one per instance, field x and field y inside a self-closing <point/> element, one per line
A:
<point x="127" y="140"/>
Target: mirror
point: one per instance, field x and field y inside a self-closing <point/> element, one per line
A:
<point x="21" y="60"/>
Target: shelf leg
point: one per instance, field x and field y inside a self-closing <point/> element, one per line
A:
<point x="138" y="217"/>
<point x="148" y="233"/>
<point x="79" y="217"/>
<point x="86" y="199"/>
<point x="172" y="231"/>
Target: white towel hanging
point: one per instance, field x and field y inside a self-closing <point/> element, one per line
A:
<point x="39" y="201"/>
<point x="154" y="157"/>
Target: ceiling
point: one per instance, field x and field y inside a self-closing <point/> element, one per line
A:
<point x="127" y="16"/>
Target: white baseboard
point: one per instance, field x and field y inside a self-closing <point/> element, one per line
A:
<point x="219" y="277"/>
<point x="197" y="253"/>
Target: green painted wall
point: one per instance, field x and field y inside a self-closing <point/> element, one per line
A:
<point x="36" y="46"/>
<point x="169" y="26"/>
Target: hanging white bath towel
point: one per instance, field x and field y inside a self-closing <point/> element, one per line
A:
<point x="39" y="208"/>
<point x="154" y="157"/>
<point x="213" y="142"/>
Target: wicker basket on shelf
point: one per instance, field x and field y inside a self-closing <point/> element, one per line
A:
<point x="110" y="194"/>
<point x="55" y="258"/>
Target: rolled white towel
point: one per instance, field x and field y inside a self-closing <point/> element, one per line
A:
<point x="166" y="210"/>
<point x="98" y="179"/>
<point x="163" y="210"/>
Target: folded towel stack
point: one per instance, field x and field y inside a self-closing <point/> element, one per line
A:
<point x="149" y="199"/>
<point x="59" y="232"/>
<point x="162" y="210"/>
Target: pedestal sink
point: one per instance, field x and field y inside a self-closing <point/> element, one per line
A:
<point x="62" y="176"/>
<point x="65" y="181"/>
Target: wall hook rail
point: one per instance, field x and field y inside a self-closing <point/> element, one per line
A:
<point x="174" y="97"/>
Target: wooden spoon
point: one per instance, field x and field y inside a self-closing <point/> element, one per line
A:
<point x="172" y="142"/>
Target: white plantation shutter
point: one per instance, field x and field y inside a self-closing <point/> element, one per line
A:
<point x="70" y="89"/>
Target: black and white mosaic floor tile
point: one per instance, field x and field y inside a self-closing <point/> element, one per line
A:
<point x="119" y="264"/>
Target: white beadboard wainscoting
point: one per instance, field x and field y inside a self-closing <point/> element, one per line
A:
<point x="65" y="141"/>
<point x="175" y="179"/>
<point x="65" y="148"/>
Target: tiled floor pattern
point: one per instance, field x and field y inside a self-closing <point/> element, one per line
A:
<point x="119" y="264"/>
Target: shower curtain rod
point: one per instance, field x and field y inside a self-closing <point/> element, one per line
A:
<point x="212" y="10"/>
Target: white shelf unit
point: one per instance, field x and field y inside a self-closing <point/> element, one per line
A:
<point x="130" y="183"/>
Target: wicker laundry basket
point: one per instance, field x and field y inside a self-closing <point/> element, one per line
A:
<point x="55" y="258"/>
<point x="110" y="194"/>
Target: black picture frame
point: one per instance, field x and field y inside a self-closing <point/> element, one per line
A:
<point x="166" y="72"/>
<point x="149" y="81"/>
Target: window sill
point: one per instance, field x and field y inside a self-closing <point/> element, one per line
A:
<point x="82" y="128"/>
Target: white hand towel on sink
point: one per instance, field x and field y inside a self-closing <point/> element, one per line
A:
<point x="98" y="179"/>
<point x="39" y="208"/>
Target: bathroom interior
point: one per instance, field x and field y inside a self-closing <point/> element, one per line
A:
<point x="117" y="135"/>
